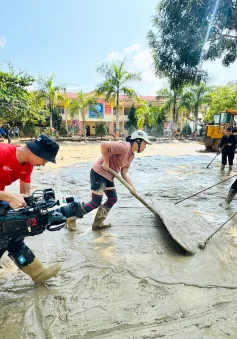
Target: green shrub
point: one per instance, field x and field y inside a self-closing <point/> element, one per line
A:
<point x="46" y="131"/>
<point x="101" y="129"/>
<point x="62" y="132"/>
<point x="186" y="131"/>
<point x="30" y="131"/>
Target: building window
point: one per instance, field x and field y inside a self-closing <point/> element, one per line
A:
<point x="126" y="111"/>
<point x="114" y="111"/>
<point x="60" y="110"/>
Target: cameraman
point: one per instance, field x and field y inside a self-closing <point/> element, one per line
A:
<point x="17" y="162"/>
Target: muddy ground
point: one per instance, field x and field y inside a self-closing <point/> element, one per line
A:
<point x="130" y="281"/>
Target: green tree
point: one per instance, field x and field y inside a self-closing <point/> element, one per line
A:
<point x="171" y="102"/>
<point x="186" y="131"/>
<point x="151" y="116"/>
<point x="57" y="119"/>
<point x="66" y="103"/>
<point x="222" y="98"/>
<point x="17" y="105"/>
<point x="35" y="113"/>
<point x="79" y="106"/>
<point x="157" y="118"/>
<point x="30" y="130"/>
<point x="101" y="129"/>
<point x="132" y="119"/>
<point x="49" y="93"/>
<point x="62" y="132"/>
<point x="144" y="117"/>
<point x="115" y="84"/>
<point x="193" y="98"/>
<point x="163" y="41"/>
<point x="188" y="32"/>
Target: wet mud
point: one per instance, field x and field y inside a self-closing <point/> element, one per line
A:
<point x="132" y="280"/>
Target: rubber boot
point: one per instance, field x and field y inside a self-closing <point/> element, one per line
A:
<point x="230" y="196"/>
<point x="72" y="223"/>
<point x="100" y="216"/>
<point x="230" y="167"/>
<point x="39" y="273"/>
<point x="222" y="167"/>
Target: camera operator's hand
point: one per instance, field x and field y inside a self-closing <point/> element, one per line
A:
<point x="17" y="200"/>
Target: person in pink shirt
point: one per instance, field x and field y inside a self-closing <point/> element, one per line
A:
<point x="118" y="156"/>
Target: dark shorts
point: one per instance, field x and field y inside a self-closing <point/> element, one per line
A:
<point x="99" y="183"/>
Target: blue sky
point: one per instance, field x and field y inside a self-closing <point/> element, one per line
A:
<point x="72" y="38"/>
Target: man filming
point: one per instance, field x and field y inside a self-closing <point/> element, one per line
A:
<point x="17" y="162"/>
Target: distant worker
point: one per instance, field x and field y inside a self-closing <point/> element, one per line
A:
<point x="228" y="146"/>
<point x="234" y="127"/>
<point x="8" y="134"/>
<point x="2" y="132"/>
<point x="16" y="132"/>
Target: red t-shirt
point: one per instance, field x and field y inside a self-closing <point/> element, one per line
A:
<point x="10" y="169"/>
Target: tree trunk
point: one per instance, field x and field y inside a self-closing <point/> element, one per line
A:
<point x="117" y="117"/>
<point x="51" y="120"/>
<point x="50" y="116"/>
<point x="175" y="117"/>
<point x="83" y="124"/>
<point x="66" y="123"/>
<point x="196" y="120"/>
<point x="78" y="122"/>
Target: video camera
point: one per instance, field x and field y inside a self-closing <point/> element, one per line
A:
<point x="36" y="217"/>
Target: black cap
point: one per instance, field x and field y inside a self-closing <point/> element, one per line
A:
<point x="44" y="147"/>
<point x="229" y="129"/>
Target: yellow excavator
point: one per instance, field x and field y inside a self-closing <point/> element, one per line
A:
<point x="214" y="132"/>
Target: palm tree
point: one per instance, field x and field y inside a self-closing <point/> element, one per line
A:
<point x="149" y="115"/>
<point x="49" y="93"/>
<point x="116" y="78"/>
<point x="79" y="105"/>
<point x="143" y="115"/>
<point x="171" y="101"/>
<point x="194" y="97"/>
<point x="65" y="101"/>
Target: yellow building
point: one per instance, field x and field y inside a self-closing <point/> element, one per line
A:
<point x="106" y="113"/>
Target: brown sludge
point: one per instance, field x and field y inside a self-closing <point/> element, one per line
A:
<point x="131" y="280"/>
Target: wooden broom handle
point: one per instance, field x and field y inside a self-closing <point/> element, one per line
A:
<point x="117" y="176"/>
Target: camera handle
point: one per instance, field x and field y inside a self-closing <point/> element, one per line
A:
<point x="53" y="228"/>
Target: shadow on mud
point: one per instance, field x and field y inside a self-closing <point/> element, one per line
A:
<point x="170" y="244"/>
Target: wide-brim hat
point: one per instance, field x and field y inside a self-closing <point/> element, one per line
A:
<point x="44" y="147"/>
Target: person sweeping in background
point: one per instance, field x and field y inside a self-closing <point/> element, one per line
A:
<point x="228" y="146"/>
<point x="118" y="156"/>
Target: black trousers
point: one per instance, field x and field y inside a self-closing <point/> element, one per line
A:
<point x="17" y="249"/>
<point x="230" y="156"/>
<point x="19" y="253"/>
<point x="234" y="185"/>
